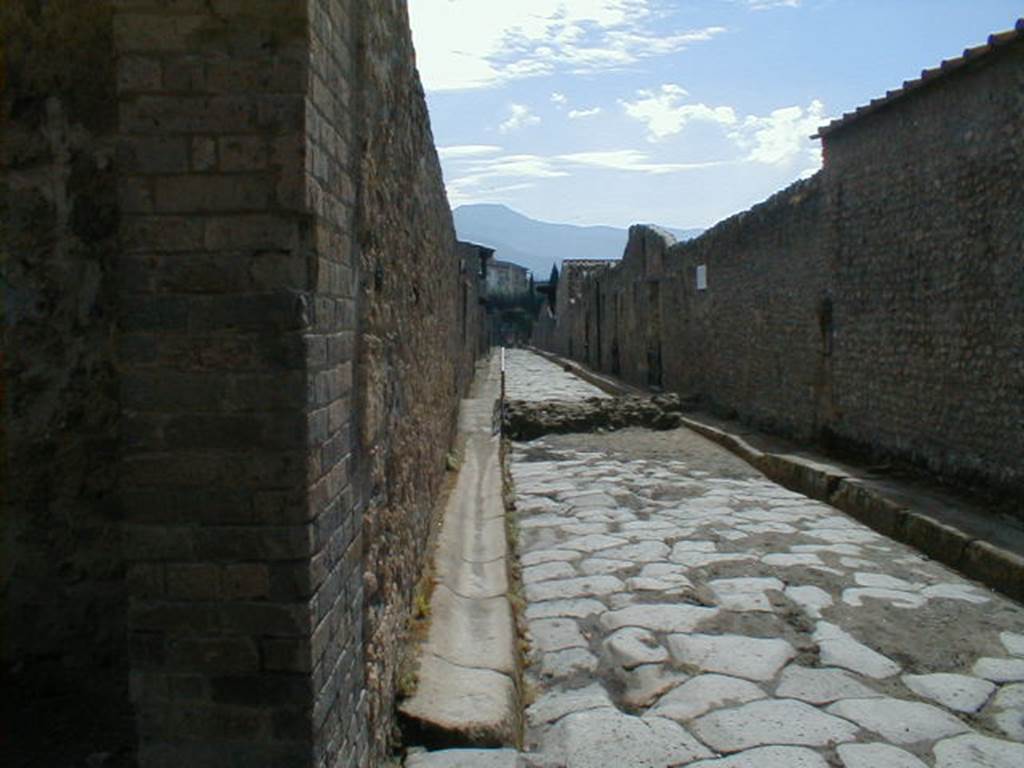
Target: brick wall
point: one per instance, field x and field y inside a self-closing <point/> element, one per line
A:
<point x="62" y="614"/>
<point x="876" y="306"/>
<point x="237" y="340"/>
<point x="217" y="338"/>
<point x="416" y="351"/>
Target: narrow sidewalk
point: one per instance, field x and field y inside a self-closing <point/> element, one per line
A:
<point x="467" y="692"/>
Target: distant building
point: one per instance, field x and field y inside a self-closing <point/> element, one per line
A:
<point x="507" y="279"/>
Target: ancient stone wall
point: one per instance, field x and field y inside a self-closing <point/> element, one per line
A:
<point x="877" y="305"/>
<point x="418" y="318"/>
<point x="62" y="612"/>
<point x="926" y="218"/>
<point x="220" y="355"/>
<point x="236" y="338"/>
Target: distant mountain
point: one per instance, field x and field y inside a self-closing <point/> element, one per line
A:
<point x="537" y="245"/>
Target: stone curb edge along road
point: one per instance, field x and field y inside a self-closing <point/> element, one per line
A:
<point x="468" y="692"/>
<point x="980" y="559"/>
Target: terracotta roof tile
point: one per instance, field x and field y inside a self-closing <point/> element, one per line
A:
<point x="928" y="76"/>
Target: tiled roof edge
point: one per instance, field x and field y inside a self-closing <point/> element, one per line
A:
<point x="928" y="76"/>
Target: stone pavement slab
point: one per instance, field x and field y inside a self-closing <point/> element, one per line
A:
<point x="704" y="693"/>
<point x="772" y="722"/>
<point x="751" y="658"/>
<point x="876" y="756"/>
<point x="821" y="686"/>
<point x="602" y="737"/>
<point x="465" y="758"/>
<point x="961" y="693"/>
<point x="900" y="722"/>
<point x="768" y="757"/>
<point x="978" y="752"/>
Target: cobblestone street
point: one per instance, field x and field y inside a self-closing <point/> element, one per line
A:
<point x="683" y="610"/>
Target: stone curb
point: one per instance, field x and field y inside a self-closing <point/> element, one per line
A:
<point x="994" y="566"/>
<point x="468" y="692"/>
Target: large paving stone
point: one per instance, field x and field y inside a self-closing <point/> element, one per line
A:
<point x="752" y="658"/>
<point x="855" y="596"/>
<point x="582" y="586"/>
<point x="898" y="721"/>
<point x="465" y="758"/>
<point x="974" y="751"/>
<point x="1000" y="670"/>
<point x="560" y="664"/>
<point x="595" y="542"/>
<point x="548" y="556"/>
<point x="812" y="600"/>
<point x="768" y="757"/>
<point x="630" y="647"/>
<point x="771" y="722"/>
<point x="820" y="686"/>
<point x="963" y="592"/>
<point x="877" y="756"/>
<point x="703" y="693"/>
<point x="795" y="560"/>
<point x="543" y="521"/>
<point x="667" y="572"/>
<point x="548" y="571"/>
<point x="478" y="705"/>
<point x="599" y="565"/>
<point x="839" y="649"/>
<point x="1010" y="697"/>
<point x="1011" y="723"/>
<point x="961" y="693"/>
<point x="603" y="738"/>
<point x="1013" y="643"/>
<point x="657" y="618"/>
<point x="556" y="634"/>
<point x="556" y="704"/>
<point x="690" y="559"/>
<point x="1009" y="710"/>
<point x="745" y="594"/>
<point x="586" y="606"/>
<point x="643" y="552"/>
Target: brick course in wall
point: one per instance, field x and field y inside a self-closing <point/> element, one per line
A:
<point x="877" y="305"/>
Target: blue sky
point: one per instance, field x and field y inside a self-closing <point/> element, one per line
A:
<point x="678" y="112"/>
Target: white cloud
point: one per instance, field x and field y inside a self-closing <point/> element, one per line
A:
<point x="519" y="117"/>
<point x="631" y="160"/>
<point x="478" y="177"/>
<point x="665" y="114"/>
<point x="463" y="44"/>
<point x="782" y="136"/>
<point x="766" y="5"/>
<point x="558" y="98"/>
<point x="467" y="150"/>
<point x="577" y="114"/>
